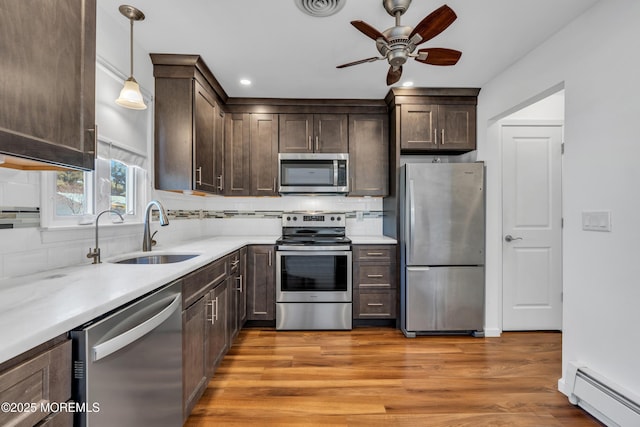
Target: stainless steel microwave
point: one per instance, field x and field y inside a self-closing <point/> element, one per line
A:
<point x="309" y="173"/>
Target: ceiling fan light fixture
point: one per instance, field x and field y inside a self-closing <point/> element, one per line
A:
<point x="320" y="8"/>
<point x="130" y="95"/>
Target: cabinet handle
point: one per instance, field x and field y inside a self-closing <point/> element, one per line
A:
<point x="235" y="262"/>
<point x="309" y="143"/>
<point x="317" y="143"/>
<point x="215" y="315"/>
<point x="269" y="258"/>
<point x="240" y="284"/>
<point x="374" y="304"/>
<point x="375" y="285"/>
<point x="374" y="254"/>
<point x="435" y="136"/>
<point x="220" y="182"/>
<point x="274" y="183"/>
<point x="211" y="319"/>
<point x="374" y="276"/>
<point x="95" y="141"/>
<point x="199" y="178"/>
<point x="442" y="136"/>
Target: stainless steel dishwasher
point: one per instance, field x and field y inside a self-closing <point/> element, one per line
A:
<point x="128" y="365"/>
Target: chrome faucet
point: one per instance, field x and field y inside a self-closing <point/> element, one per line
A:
<point x="164" y="220"/>
<point x="95" y="254"/>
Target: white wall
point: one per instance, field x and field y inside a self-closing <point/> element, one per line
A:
<point x="596" y="59"/>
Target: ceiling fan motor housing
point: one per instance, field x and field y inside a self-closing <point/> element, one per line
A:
<point x="398" y="48"/>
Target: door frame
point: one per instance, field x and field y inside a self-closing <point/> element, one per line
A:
<point x="506" y="122"/>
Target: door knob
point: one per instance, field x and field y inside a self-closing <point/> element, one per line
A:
<point x="510" y="238"/>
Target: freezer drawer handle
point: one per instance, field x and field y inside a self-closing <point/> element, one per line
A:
<point x="101" y="351"/>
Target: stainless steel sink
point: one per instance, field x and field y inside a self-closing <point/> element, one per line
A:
<point x="156" y="259"/>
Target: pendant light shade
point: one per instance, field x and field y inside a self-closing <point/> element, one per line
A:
<point x="130" y="95"/>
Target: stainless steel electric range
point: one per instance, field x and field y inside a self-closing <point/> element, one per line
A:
<point x="313" y="272"/>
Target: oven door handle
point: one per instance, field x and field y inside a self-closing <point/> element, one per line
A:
<point x="312" y="252"/>
<point x="101" y="351"/>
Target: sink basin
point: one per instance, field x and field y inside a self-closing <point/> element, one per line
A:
<point x="156" y="259"/>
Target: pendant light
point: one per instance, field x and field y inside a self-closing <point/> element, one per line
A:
<point x="130" y="96"/>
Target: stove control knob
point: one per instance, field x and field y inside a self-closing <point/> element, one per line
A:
<point x="333" y="218"/>
<point x="288" y="218"/>
<point x="338" y="218"/>
<point x="295" y="218"/>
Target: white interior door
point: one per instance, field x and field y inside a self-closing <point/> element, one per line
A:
<point x="532" y="227"/>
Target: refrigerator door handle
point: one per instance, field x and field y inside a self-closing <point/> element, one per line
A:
<point x="412" y="220"/>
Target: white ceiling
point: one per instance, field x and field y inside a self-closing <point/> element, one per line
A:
<point x="287" y="54"/>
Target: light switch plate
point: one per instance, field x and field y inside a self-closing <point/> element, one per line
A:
<point x="596" y="220"/>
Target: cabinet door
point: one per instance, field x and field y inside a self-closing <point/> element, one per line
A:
<point x="204" y="135"/>
<point x="368" y="155"/>
<point x="242" y="289"/>
<point x="330" y="133"/>
<point x="218" y="149"/>
<point x="457" y="127"/>
<point x="261" y="288"/>
<point x="237" y="180"/>
<point x="47" y="81"/>
<point x="296" y="133"/>
<point x="418" y="127"/>
<point x="217" y="312"/>
<point x="264" y="154"/>
<point x="194" y="345"/>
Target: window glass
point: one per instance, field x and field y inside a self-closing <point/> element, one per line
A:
<point x="71" y="193"/>
<point x="119" y="186"/>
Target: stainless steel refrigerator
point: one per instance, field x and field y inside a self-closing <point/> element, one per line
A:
<point x="442" y="248"/>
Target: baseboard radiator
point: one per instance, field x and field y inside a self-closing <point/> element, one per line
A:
<point x="608" y="402"/>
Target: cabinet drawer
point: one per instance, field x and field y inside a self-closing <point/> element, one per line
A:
<point x="374" y="304"/>
<point x="374" y="253"/>
<point x="373" y="276"/>
<point x="196" y="284"/>
<point x="42" y="379"/>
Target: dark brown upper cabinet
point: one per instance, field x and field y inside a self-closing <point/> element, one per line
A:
<point x="189" y="125"/>
<point x="313" y="133"/>
<point x="433" y="120"/>
<point x="237" y="170"/>
<point x="438" y="127"/>
<point x="263" y="137"/>
<point x="368" y="155"/>
<point x="47" y="83"/>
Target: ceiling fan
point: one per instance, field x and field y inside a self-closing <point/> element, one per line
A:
<point x="398" y="43"/>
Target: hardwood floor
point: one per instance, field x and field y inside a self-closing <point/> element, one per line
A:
<point x="377" y="377"/>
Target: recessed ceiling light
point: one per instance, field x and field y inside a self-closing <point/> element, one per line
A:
<point x="245" y="82"/>
<point x="407" y="84"/>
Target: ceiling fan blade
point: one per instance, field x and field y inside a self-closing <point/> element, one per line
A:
<point x="368" y="30"/>
<point x="439" y="56"/>
<point x="361" y="61"/>
<point x="435" y="23"/>
<point x="394" y="75"/>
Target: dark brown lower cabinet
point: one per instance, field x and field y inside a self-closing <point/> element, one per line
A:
<point x="42" y="378"/>
<point x="374" y="282"/>
<point x="194" y="344"/>
<point x="261" y="283"/>
<point x="217" y="325"/>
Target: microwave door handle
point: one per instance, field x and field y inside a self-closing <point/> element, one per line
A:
<point x="335" y="172"/>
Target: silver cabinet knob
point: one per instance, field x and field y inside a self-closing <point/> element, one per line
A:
<point x="510" y="238"/>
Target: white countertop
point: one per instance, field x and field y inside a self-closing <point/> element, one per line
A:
<point x="39" y="307"/>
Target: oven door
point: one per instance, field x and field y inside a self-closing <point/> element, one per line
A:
<point x="313" y="276"/>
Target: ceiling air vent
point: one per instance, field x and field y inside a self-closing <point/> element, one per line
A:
<point x="320" y="8"/>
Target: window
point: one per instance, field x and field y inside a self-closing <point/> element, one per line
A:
<point x="72" y="193"/>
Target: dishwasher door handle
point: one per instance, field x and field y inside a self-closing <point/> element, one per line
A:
<point x="101" y="351"/>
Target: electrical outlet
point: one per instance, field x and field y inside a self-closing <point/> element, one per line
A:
<point x="596" y="220"/>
